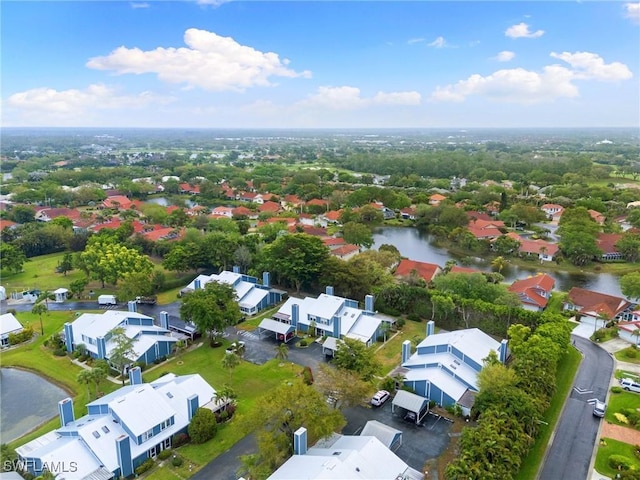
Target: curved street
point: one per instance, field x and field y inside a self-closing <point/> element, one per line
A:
<point x="573" y="443"/>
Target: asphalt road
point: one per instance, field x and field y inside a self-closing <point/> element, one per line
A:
<point x="569" y="456"/>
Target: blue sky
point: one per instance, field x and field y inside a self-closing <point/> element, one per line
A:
<point x="300" y="64"/>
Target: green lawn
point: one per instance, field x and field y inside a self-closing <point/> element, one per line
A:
<point x="620" y="401"/>
<point x="610" y="447"/>
<point x="566" y="373"/>
<point x="390" y="353"/>
<point x="40" y="272"/>
<point x="629" y="354"/>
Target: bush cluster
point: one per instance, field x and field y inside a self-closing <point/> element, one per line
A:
<point x="177" y="461"/>
<point x="620" y="462"/>
<point x="23" y="336"/>
<point x="307" y="376"/>
<point x="180" y="439"/>
<point x="164" y="454"/>
<point x="145" y="466"/>
<point x="633" y="417"/>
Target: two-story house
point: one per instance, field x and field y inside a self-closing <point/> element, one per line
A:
<point x="121" y="430"/>
<point x="534" y="292"/>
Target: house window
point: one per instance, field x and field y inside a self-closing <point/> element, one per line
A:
<point x="165" y="424"/>
<point x="147" y="435"/>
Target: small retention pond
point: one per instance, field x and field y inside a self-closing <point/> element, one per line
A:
<point x="27" y="400"/>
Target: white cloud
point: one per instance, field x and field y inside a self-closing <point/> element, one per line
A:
<point x="589" y="65"/>
<point x="505" y="56"/>
<point x="512" y="85"/>
<point x="438" y="43"/>
<point x="135" y="5"/>
<point x="349" y="98"/>
<point x="632" y="11"/>
<point x="523" y="86"/>
<point x="521" y="30"/>
<point x="411" y="41"/>
<point x="210" y="62"/>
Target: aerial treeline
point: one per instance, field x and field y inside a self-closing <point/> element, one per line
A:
<point x="512" y="400"/>
<point x="457" y="300"/>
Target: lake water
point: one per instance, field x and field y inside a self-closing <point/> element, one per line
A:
<point x="163" y="201"/>
<point x="27" y="400"/>
<point x="421" y="247"/>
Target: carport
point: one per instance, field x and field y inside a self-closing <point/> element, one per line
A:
<point x="330" y="346"/>
<point x="283" y="331"/>
<point x="411" y="403"/>
<point x="389" y="436"/>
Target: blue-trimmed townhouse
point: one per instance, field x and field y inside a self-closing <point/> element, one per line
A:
<point x="94" y="331"/>
<point x="252" y="296"/>
<point x="445" y="366"/>
<point x="121" y="430"/>
<point x="333" y="316"/>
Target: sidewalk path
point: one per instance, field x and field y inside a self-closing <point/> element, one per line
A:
<point x="620" y="433"/>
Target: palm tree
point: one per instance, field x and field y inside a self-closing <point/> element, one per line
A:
<point x="636" y="332"/>
<point x="229" y="362"/>
<point x="282" y="352"/>
<point x="499" y="263"/>
<point x="226" y="394"/>
<point x="86" y="377"/>
<point x="39" y="309"/>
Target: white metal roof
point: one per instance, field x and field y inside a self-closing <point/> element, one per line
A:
<point x="473" y="342"/>
<point x="364" y="328"/>
<point x="134" y="410"/>
<point x="9" y="324"/>
<point x="350" y="457"/>
<point x="275" y="326"/>
<point x="447" y="360"/>
<point x="386" y="434"/>
<point x="410" y="401"/>
<point x="253" y="297"/>
<point x="325" y="306"/>
<point x="95" y="325"/>
<point x="445" y="382"/>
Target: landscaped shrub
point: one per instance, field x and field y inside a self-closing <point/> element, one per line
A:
<point x="164" y="454"/>
<point x="23" y="336"/>
<point x="388" y="384"/>
<point x="303" y="343"/>
<point x="616" y="389"/>
<point x="145" y="466"/>
<point x="400" y="322"/>
<point x="414" y="317"/>
<point x="177" y="461"/>
<point x="203" y="426"/>
<point x="620" y="462"/>
<point x="59" y="352"/>
<point x="180" y="439"/>
<point x="631" y="352"/>
<point x="307" y="376"/>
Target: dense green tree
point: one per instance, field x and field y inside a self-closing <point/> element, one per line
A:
<point x="357" y="234"/>
<point x="355" y="356"/>
<point x="11" y="258"/>
<point x="296" y="259"/>
<point x="203" y="426"/>
<point x="66" y="264"/>
<point x="122" y="354"/>
<point x="630" y="285"/>
<point x="343" y="387"/>
<point x="137" y="284"/>
<point x="109" y="262"/>
<point x="64" y="222"/>
<point x="22" y="214"/>
<point x="211" y="308"/>
<point x="629" y="246"/>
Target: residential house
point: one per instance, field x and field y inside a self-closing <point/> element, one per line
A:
<point x="9" y="324"/>
<point x="94" y="331"/>
<point x="552" y="210"/>
<point x="166" y="233"/>
<point x="190" y="189"/>
<point x="345" y="252"/>
<point x="598" y="306"/>
<point x="6" y="224"/>
<point x="291" y="202"/>
<point x="251" y="296"/>
<point x="598" y="217"/>
<point x="342" y="457"/>
<point x="222" y="212"/>
<point x="607" y="243"/>
<point x="118" y="202"/>
<point x="47" y="214"/>
<point x="387" y="213"/>
<point x="457" y="183"/>
<point x="334" y="242"/>
<point x="467" y="270"/>
<point x="630" y="331"/>
<point x="485" y="229"/>
<point x="269" y="206"/>
<point x="244" y="212"/>
<point x="408" y="213"/>
<point x="333" y="216"/>
<point x="436" y="199"/>
<point x="445" y="366"/>
<point x="427" y="271"/>
<point x="121" y="430"/>
<point x="333" y="316"/>
<point x="546" y="251"/>
<point x="534" y="292"/>
<point x="318" y="202"/>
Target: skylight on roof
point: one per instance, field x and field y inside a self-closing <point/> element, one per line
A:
<point x="105" y="429"/>
<point x="96" y="434"/>
<point x="169" y="394"/>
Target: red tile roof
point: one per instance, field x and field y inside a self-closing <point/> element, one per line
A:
<point x="333" y="215"/>
<point x="6" y="223"/>
<point x="596" y="302"/>
<point x="458" y="269"/>
<point x="537" y="246"/>
<point x="607" y="242"/>
<point x="269" y="207"/>
<point x="425" y="270"/>
<point x="345" y="250"/>
<point x="242" y="211"/>
<point x="117" y="201"/>
<point x="318" y="201"/>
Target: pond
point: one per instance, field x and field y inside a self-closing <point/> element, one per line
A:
<point x="164" y="202"/>
<point x="421" y="247"/>
<point x="27" y="400"/>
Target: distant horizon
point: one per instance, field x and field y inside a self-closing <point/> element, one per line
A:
<point x="205" y="64"/>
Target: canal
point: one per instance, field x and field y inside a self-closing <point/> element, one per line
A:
<point x="421" y="247"/>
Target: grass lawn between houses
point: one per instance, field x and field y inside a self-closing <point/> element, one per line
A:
<point x="630" y="355"/>
<point x="566" y="373"/>
<point x="621" y="401"/>
<point x="610" y="447"/>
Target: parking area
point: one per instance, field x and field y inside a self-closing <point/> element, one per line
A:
<point x="419" y="442"/>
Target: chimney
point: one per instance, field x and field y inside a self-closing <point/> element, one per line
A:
<point x="504" y="350"/>
<point x="236" y="269"/>
<point x="295" y="315"/>
<point x="135" y="376"/>
<point x="101" y="344"/>
<point x="192" y="405"/>
<point x="266" y="279"/>
<point x="336" y="327"/>
<point x="368" y="304"/>
<point x="65" y="410"/>
<point x="300" y="441"/>
<point x="431" y="327"/>
<point x="68" y="337"/>
<point x="132" y="305"/>
<point x="406" y="350"/>
<point x="196" y="284"/>
<point x="164" y="320"/>
<point x="123" y="455"/>
<point x="329" y="290"/>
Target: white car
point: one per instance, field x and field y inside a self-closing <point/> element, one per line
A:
<point x="599" y="409"/>
<point x="380" y="397"/>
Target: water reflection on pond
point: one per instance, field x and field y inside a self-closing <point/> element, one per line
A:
<point x="27" y="400"/>
<point x="421" y="247"/>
